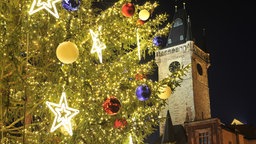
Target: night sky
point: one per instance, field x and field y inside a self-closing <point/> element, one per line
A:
<point x="230" y="37"/>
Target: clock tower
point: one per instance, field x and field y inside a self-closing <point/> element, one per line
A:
<point x="190" y="101"/>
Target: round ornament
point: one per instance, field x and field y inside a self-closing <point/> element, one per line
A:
<point x="139" y="76"/>
<point x="143" y="92"/>
<point x="128" y="9"/>
<point x="111" y="105"/>
<point x="120" y="123"/>
<point x="140" y="22"/>
<point x="157" y="41"/>
<point x="166" y="92"/>
<point x="144" y="15"/>
<point x="71" y="5"/>
<point x="67" y="52"/>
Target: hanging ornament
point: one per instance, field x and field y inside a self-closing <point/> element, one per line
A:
<point x="157" y="41"/>
<point x="140" y="22"/>
<point x="63" y="114"/>
<point x="165" y="92"/>
<point x="120" y="123"/>
<point x="143" y="92"/>
<point x="144" y="15"/>
<point x="71" y="5"/>
<point x="111" y="105"/>
<point x="128" y="9"/>
<point x="37" y="5"/>
<point x="139" y="76"/>
<point x="67" y="52"/>
<point x="97" y="46"/>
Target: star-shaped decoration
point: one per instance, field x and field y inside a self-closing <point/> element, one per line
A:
<point x="63" y="114"/>
<point x="97" y="46"/>
<point x="37" y="5"/>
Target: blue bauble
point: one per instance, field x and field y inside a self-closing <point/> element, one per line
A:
<point x="158" y="41"/>
<point x="71" y="5"/>
<point x="143" y="92"/>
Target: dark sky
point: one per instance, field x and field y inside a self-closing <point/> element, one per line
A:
<point x="230" y="37"/>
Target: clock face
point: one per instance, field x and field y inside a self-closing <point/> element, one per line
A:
<point x="174" y="66"/>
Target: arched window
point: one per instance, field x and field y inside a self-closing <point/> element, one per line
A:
<point x="177" y="22"/>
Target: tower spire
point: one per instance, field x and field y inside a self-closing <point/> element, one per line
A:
<point x="168" y="136"/>
<point x="189" y="31"/>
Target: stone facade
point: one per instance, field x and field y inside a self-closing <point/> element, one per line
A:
<point x="190" y="101"/>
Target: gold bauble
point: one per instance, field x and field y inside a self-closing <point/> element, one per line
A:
<point x="67" y="52"/>
<point x="166" y="92"/>
<point x="144" y="15"/>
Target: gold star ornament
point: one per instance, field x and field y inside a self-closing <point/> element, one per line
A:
<point x="38" y="5"/>
<point x="63" y="114"/>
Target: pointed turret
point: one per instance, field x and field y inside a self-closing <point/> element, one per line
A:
<point x="168" y="135"/>
<point x="189" y="31"/>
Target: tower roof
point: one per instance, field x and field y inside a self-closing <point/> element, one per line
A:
<point x="180" y="31"/>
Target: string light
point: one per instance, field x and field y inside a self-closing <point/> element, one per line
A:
<point x="130" y="139"/>
<point x="138" y="43"/>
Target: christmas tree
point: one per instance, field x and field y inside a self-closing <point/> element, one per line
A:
<point x="77" y="71"/>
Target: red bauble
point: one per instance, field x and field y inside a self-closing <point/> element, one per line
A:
<point x="139" y="76"/>
<point x="140" y="22"/>
<point x="111" y="105"/>
<point x="120" y="123"/>
<point x="128" y="9"/>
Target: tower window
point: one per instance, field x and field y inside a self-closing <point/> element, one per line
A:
<point x="169" y="41"/>
<point x="199" y="69"/>
<point x="204" y="138"/>
<point x="177" y="22"/>
<point x="181" y="37"/>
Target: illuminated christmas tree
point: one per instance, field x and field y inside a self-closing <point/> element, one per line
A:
<point x="77" y="71"/>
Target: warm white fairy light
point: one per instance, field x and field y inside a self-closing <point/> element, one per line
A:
<point x="130" y="139"/>
<point x="37" y="5"/>
<point x="63" y="114"/>
<point x="97" y="45"/>
<point x="138" y="43"/>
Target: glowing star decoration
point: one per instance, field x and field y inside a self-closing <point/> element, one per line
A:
<point x="63" y="114"/>
<point x="37" y="5"/>
<point x="97" y="45"/>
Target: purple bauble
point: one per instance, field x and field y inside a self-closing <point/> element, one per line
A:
<point x="71" y="5"/>
<point x="157" y="41"/>
<point x="143" y="92"/>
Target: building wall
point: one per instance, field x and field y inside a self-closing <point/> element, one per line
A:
<point x="231" y="137"/>
<point x="181" y="102"/>
<point x="200" y="64"/>
<point x="209" y="126"/>
<point x="249" y="141"/>
<point x="217" y="133"/>
<point x="191" y="100"/>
